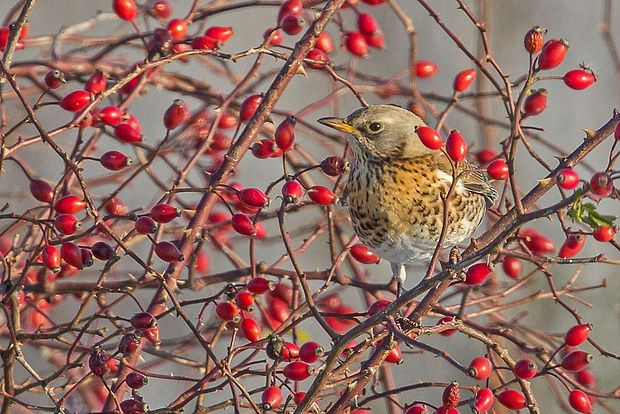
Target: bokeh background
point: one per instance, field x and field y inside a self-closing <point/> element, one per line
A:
<point x="569" y="111"/>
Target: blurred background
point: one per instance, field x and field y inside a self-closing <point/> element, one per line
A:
<point x="568" y="113"/>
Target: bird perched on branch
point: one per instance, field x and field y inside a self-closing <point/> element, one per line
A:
<point x="396" y="188"/>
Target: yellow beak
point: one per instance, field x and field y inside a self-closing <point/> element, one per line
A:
<point x="338" y="124"/>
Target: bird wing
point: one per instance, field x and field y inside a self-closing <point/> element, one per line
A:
<point x="472" y="179"/>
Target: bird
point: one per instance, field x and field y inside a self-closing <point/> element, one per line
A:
<point x="395" y="188"/>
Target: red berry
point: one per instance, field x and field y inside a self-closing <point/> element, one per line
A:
<point x="71" y="254"/>
<point x="533" y="40"/>
<point x="485" y="155"/>
<point x="143" y="320"/>
<point x="578" y="334"/>
<point x="356" y="44"/>
<point x="41" y="190"/>
<point x="310" y="352"/>
<point x="536" y="102"/>
<point x="260" y="285"/>
<point x="568" y="179"/>
<point x="228" y="311"/>
<point x="114" y="160"/>
<point x="429" y="137"/>
<point x="377" y="307"/>
<point x="278" y="309"/>
<point x="75" y="101"/>
<point x="203" y="43"/>
<point x="298" y="371"/>
<point x="367" y="24"/>
<point x="69" y="204"/>
<point x="364" y="255"/>
<point x="617" y="132"/>
<point x="498" y="170"/>
<point x="220" y="33"/>
<point x="484" y="400"/>
<point x="276" y="36"/>
<point x="451" y="395"/>
<point x="271" y="398"/>
<point x="285" y="133"/>
<point x="586" y="378"/>
<point x="512" y="399"/>
<point x="51" y="258"/>
<point x="160" y="9"/>
<point x="290" y="352"/>
<point x="125" y="9"/>
<point x="177" y="28"/>
<point x="133" y="406"/>
<point x="417" y="409"/>
<point x="292" y="191"/>
<point x="512" y="267"/>
<point x="135" y="380"/>
<point x="249" y="106"/>
<point x="579" y="401"/>
<point x="245" y="301"/>
<point x="552" y="54"/>
<point x="456" y="147"/>
<point x="87" y="257"/>
<point x="145" y="225"/>
<point x="243" y="225"/>
<point x="318" y="55"/>
<point x="96" y="83"/>
<point x="98" y="361"/>
<point x="253" y="198"/>
<point x="67" y="224"/>
<point x="168" y="252"/>
<point x="54" y="78"/>
<point x="447" y="410"/>
<point x="164" y="213"/>
<point x="525" y="369"/>
<point x="111" y="115"/>
<point x="152" y="334"/>
<point x="292" y="25"/>
<point x="126" y="133"/>
<point x="129" y="343"/>
<point x="425" y="69"/>
<point x="480" y="368"/>
<point x="601" y="184"/>
<point x="579" y="79"/>
<point x="464" y="79"/>
<point x="538" y="244"/>
<point x="116" y="206"/>
<point x="176" y="114"/>
<point x="290" y="7"/>
<point x="325" y="42"/>
<point x="477" y="274"/>
<point x="251" y="329"/>
<point x="447" y="332"/>
<point x="572" y="245"/>
<point x="604" y="233"/>
<point x="374" y="2"/>
<point x="576" y="361"/>
<point x="321" y="195"/>
<point x="395" y="355"/>
<point x="334" y="166"/>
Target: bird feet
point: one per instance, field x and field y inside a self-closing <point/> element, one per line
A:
<point x="453" y="259"/>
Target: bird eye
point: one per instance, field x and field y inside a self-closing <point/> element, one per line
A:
<point x="375" y="126"/>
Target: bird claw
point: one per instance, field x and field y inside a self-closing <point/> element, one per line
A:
<point x="406" y="324"/>
<point x="454" y="258"/>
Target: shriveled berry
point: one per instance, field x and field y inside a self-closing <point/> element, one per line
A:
<point x="579" y="79"/>
<point x="129" y="343"/>
<point x="456" y="147"/>
<point x="464" y="79"/>
<point x="98" y="361"/>
<point x="451" y="395"/>
<point x="498" y="170"/>
<point x="512" y="399"/>
<point x="552" y="54"/>
<point x="480" y="368"/>
<point x="136" y="380"/>
<point x="578" y="334"/>
<point x="525" y="369"/>
<point x="363" y="254"/>
<point x="533" y="41"/>
<point x="429" y="137"/>
<point x="321" y="195"/>
<point x="536" y="103"/>
<point x="333" y="166"/>
<point x="168" y="252"/>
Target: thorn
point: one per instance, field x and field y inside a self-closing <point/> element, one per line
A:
<point x="301" y="71"/>
<point x="544" y="181"/>
<point x="590" y="133"/>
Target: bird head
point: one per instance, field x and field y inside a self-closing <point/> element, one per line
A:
<point x="381" y="132"/>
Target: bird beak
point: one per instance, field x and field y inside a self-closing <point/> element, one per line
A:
<point x="338" y="124"/>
